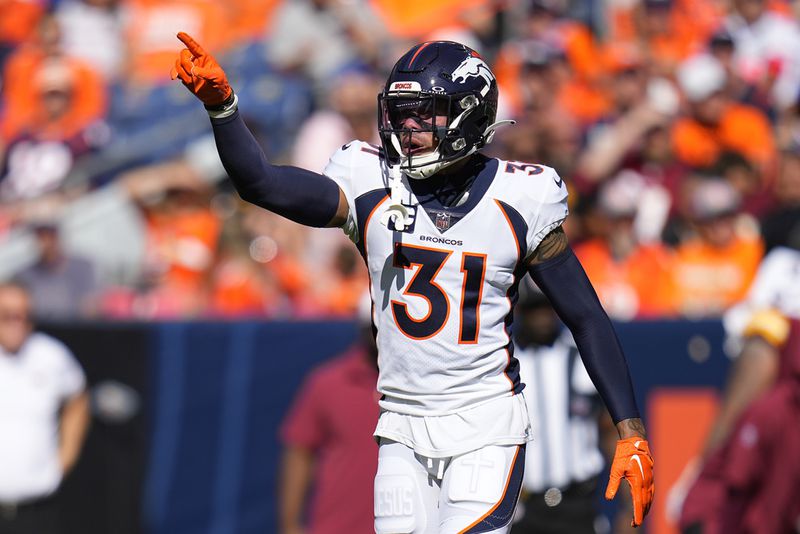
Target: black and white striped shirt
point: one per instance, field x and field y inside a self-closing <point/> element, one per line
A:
<point x="563" y="405"/>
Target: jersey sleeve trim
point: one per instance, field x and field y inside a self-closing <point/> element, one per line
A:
<point x="365" y="207"/>
<point x="539" y="195"/>
<point x="352" y="168"/>
<point x="519" y="228"/>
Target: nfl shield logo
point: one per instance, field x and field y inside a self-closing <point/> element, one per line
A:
<point x="442" y="221"/>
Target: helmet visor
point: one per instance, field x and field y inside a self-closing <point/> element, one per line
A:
<point x="418" y="121"/>
<point x="423" y="109"/>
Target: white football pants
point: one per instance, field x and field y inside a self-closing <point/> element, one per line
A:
<point x="472" y="493"/>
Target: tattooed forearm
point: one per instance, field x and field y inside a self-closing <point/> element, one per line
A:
<point x="551" y="246"/>
<point x="631" y="427"/>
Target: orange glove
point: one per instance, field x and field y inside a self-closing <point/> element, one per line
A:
<point x="200" y="73"/>
<point x="632" y="461"/>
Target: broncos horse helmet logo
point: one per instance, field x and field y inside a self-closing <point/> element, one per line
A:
<point x="472" y="67"/>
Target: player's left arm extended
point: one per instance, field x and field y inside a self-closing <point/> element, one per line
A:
<point x="559" y="274"/>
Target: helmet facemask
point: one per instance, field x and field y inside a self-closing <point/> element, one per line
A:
<point x="424" y="132"/>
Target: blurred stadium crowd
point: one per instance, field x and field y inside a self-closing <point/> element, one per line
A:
<point x="675" y="123"/>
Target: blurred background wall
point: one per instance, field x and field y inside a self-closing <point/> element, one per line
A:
<point x="184" y="436"/>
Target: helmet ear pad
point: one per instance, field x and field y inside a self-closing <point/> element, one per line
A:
<point x="472" y="129"/>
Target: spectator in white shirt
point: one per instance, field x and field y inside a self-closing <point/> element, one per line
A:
<point x="44" y="415"/>
<point x="767" y="45"/>
<point x="94" y="30"/>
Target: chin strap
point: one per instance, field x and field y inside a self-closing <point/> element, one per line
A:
<point x="411" y="173"/>
<point x="396" y="144"/>
<point x="396" y="212"/>
<point x="488" y="135"/>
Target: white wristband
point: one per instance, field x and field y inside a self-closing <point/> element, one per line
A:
<point x="226" y="111"/>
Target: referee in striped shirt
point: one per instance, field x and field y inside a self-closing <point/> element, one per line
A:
<point x="563" y="463"/>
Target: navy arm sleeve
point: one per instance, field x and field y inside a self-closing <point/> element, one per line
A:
<point x="564" y="282"/>
<point x="297" y="194"/>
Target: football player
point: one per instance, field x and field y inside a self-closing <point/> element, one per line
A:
<point x="447" y="234"/>
<point x="757" y="331"/>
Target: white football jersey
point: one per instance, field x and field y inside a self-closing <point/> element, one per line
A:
<point x="776" y="285"/>
<point x="443" y="289"/>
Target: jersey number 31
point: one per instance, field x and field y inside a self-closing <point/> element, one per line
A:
<point x="429" y="261"/>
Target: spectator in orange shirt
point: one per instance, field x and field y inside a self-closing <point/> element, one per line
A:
<point x="282" y="248"/>
<point x="343" y="284"/>
<point x="665" y="31"/>
<point x="561" y="49"/>
<point x="51" y="137"/>
<point x="631" y="278"/>
<point x="714" y="123"/>
<point x="546" y="22"/>
<point x="663" y="46"/>
<point x="37" y="62"/>
<point x="412" y="19"/>
<point x="18" y="20"/>
<point x="248" y="18"/>
<point x="238" y="285"/>
<point x="151" y="31"/>
<point x="714" y="267"/>
<point x="554" y="107"/>
<point x="182" y="234"/>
